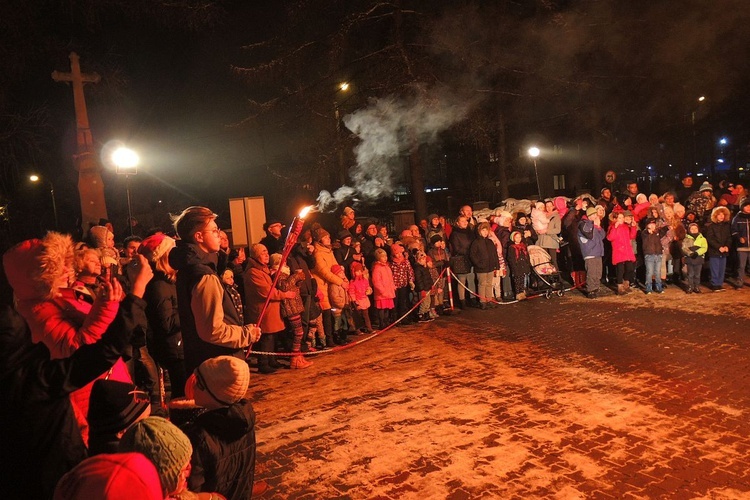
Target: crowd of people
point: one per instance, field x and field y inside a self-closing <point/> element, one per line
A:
<point x="105" y="345"/>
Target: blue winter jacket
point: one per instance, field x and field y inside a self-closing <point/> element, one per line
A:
<point x="591" y="238"/>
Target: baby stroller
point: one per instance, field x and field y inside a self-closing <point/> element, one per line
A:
<point x="546" y="276"/>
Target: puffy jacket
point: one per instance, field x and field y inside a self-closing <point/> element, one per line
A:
<point x="591" y="238"/>
<point x="718" y="234"/>
<point x="223" y="451"/>
<point x="358" y="292"/>
<point x="698" y="241"/>
<point x="295" y="306"/>
<point x="382" y="281"/>
<point x="324" y="261"/>
<point x="422" y="279"/>
<point x="741" y="229"/>
<point x="460" y="241"/>
<point x="621" y="237"/>
<point x="483" y="255"/>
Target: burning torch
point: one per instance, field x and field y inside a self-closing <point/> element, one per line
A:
<point x="295" y="229"/>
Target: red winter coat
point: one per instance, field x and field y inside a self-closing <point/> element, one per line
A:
<point x="382" y="281"/>
<point x="621" y="237"/>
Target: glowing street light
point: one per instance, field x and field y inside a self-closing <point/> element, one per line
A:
<point x="723" y="141"/>
<point x="534" y="153"/>
<point x="702" y="98"/>
<point x="35" y="178"/>
<point x="126" y="163"/>
<point x="344" y="86"/>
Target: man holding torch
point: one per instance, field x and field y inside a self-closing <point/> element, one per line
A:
<point x="211" y="326"/>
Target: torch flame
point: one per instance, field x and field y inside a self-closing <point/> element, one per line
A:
<point x="305" y="211"/>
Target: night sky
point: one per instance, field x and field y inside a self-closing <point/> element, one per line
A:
<point x="623" y="75"/>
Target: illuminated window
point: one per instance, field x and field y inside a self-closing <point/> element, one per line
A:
<point x="559" y="182"/>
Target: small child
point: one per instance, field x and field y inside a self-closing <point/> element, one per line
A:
<point x="403" y="278"/>
<point x="292" y="309"/>
<point x="539" y="219"/>
<point x="652" y="254"/>
<point x="436" y="297"/>
<point x="384" y="289"/>
<point x="227" y="280"/>
<point x="359" y="289"/>
<point x="423" y="285"/>
<point x="694" y="246"/>
<point x="519" y="263"/>
<point x="223" y="434"/>
<point x="339" y="297"/>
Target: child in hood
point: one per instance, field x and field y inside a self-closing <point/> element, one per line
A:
<point x="519" y="263"/>
<point x="340" y="300"/>
<point x="539" y="219"/>
<point x="291" y="309"/>
<point x="694" y="246"/>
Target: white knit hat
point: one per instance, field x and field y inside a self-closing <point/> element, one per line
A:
<point x="221" y="381"/>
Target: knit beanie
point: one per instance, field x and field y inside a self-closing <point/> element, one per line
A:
<point x="116" y="476"/>
<point x="513" y="236"/>
<point x="356" y="266"/>
<point x="114" y="406"/>
<point x="319" y="234"/>
<point x="98" y="236"/>
<point x="343" y="234"/>
<point x="155" y="246"/>
<point x="705" y="187"/>
<point x="221" y="381"/>
<point x="435" y="238"/>
<point x="167" y="447"/>
<point x="590" y="211"/>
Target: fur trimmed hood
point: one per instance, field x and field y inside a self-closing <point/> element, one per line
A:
<point x="716" y="211"/>
<point x="34" y="266"/>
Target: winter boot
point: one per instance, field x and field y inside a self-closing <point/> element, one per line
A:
<point x="621" y="289"/>
<point x="462" y="304"/>
<point x="299" y="362"/>
<point x="626" y="286"/>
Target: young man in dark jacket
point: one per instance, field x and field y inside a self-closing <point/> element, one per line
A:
<point x="210" y="323"/>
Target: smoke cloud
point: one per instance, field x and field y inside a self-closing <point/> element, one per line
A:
<point x="387" y="129"/>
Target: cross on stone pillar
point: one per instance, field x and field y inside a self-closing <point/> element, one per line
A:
<point x="90" y="185"/>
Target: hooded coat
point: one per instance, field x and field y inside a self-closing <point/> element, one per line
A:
<point x="223" y="451"/>
<point x="718" y="234"/>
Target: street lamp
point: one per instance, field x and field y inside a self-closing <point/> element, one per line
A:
<point x="342" y="87"/>
<point x="126" y="163"/>
<point x="35" y="178"/>
<point x="534" y="153"/>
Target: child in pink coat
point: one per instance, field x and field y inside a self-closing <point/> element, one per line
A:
<point x="384" y="289"/>
<point x="359" y="289"/>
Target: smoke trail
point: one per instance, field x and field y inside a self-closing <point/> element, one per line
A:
<point x="386" y="129"/>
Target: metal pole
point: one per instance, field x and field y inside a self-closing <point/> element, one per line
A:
<point x="130" y="213"/>
<point x="536" y="174"/>
<point x="54" y="205"/>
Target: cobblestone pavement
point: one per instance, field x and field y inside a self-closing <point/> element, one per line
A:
<point x="621" y="397"/>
